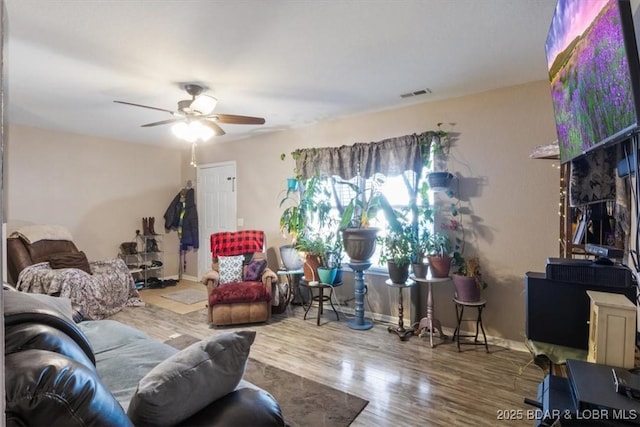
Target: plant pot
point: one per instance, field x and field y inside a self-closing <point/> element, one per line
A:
<point x="439" y="181"/>
<point x="466" y="288"/>
<point x="398" y="273"/>
<point x="327" y="275"/>
<point x="310" y="267"/>
<point x="420" y="269"/>
<point x="359" y="243"/>
<point x="338" y="278"/>
<point x="439" y="266"/>
<point x="290" y="257"/>
<point x="292" y="184"/>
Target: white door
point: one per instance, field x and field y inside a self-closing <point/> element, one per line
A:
<point x="217" y="203"/>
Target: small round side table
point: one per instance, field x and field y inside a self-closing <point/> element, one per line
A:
<point x="321" y="298"/>
<point x="403" y="333"/>
<point x="429" y="322"/>
<point x="460" y="305"/>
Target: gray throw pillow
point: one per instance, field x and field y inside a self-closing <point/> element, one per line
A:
<point x="188" y="381"/>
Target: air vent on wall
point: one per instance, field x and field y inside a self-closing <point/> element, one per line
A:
<point x="416" y="93"/>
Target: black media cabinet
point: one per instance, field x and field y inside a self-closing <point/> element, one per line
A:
<point x="558" y="312"/>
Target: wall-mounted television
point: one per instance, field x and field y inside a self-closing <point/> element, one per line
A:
<point x="594" y="73"/>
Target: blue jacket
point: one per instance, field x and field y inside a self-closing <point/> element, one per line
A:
<point x="181" y="215"/>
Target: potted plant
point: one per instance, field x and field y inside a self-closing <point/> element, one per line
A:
<point x="358" y="237"/>
<point x="396" y="252"/>
<point x="313" y="249"/>
<point x="439" y="254"/>
<point x="335" y="254"/>
<point x="419" y="242"/>
<point x="439" y="178"/>
<point x="331" y="259"/>
<point x="305" y="202"/>
<point x="422" y="235"/>
<point x="468" y="279"/>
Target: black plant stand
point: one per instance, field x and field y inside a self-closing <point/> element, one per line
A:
<point x="359" y="322"/>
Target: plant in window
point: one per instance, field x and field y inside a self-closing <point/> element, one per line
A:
<point x="396" y="252"/>
<point x="358" y="237"/>
<point x="365" y="205"/>
<point x="334" y="249"/>
<point x="439" y="140"/>
<point x="437" y="156"/>
<point x="396" y="247"/>
<point x="439" y="244"/>
<point x="312" y="247"/>
<point x="439" y="254"/>
<point x="421" y="237"/>
<point x="295" y="155"/>
<point x="307" y="203"/>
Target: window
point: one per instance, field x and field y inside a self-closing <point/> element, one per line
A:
<point x="398" y="160"/>
<point x="398" y="190"/>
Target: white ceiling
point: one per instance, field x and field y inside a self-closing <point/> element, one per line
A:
<point x="294" y="63"/>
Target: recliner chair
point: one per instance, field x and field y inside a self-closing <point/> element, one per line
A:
<point x="241" y="288"/>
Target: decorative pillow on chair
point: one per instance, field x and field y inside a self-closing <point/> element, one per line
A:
<point x="189" y="380"/>
<point x="254" y="270"/>
<point x="71" y="260"/>
<point x="230" y="268"/>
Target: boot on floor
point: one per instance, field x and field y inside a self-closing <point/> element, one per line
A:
<point x="152" y="224"/>
<point x="145" y="227"/>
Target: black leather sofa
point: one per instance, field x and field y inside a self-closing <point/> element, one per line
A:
<point x="52" y="377"/>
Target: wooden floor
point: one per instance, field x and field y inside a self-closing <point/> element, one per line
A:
<point x="407" y="383"/>
<point x="155" y="297"/>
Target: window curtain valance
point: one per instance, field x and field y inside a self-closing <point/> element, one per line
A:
<point x="390" y="157"/>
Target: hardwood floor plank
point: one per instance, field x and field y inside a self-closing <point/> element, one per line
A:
<point x="407" y="383"/>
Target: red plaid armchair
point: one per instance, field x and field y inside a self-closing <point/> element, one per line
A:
<point x="241" y="288"/>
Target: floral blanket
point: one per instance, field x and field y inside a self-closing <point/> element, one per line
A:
<point x="101" y="294"/>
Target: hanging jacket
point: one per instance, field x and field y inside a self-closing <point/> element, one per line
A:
<point x="181" y="215"/>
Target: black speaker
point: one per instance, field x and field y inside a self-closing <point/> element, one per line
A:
<point x="558" y="312"/>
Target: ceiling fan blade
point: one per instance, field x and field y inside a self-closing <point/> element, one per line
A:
<point x="237" y="120"/>
<point x="163" y="122"/>
<point x="218" y="131"/>
<point x="144" y="106"/>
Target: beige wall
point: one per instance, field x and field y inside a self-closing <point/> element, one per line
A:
<point x="513" y="199"/>
<point x="100" y="189"/>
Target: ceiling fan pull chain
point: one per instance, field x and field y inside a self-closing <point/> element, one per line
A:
<point x="193" y="155"/>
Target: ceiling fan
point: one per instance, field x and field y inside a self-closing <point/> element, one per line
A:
<point x="194" y="118"/>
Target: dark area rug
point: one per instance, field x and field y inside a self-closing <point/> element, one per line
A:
<point x="303" y="402"/>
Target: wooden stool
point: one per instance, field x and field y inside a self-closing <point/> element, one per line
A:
<point x="460" y="305"/>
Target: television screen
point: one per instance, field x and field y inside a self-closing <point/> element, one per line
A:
<point x="593" y="69"/>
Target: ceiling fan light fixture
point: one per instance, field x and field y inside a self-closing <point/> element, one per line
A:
<point x="202" y="132"/>
<point x="203" y="104"/>
<point x="192" y="131"/>
<point x="182" y="131"/>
